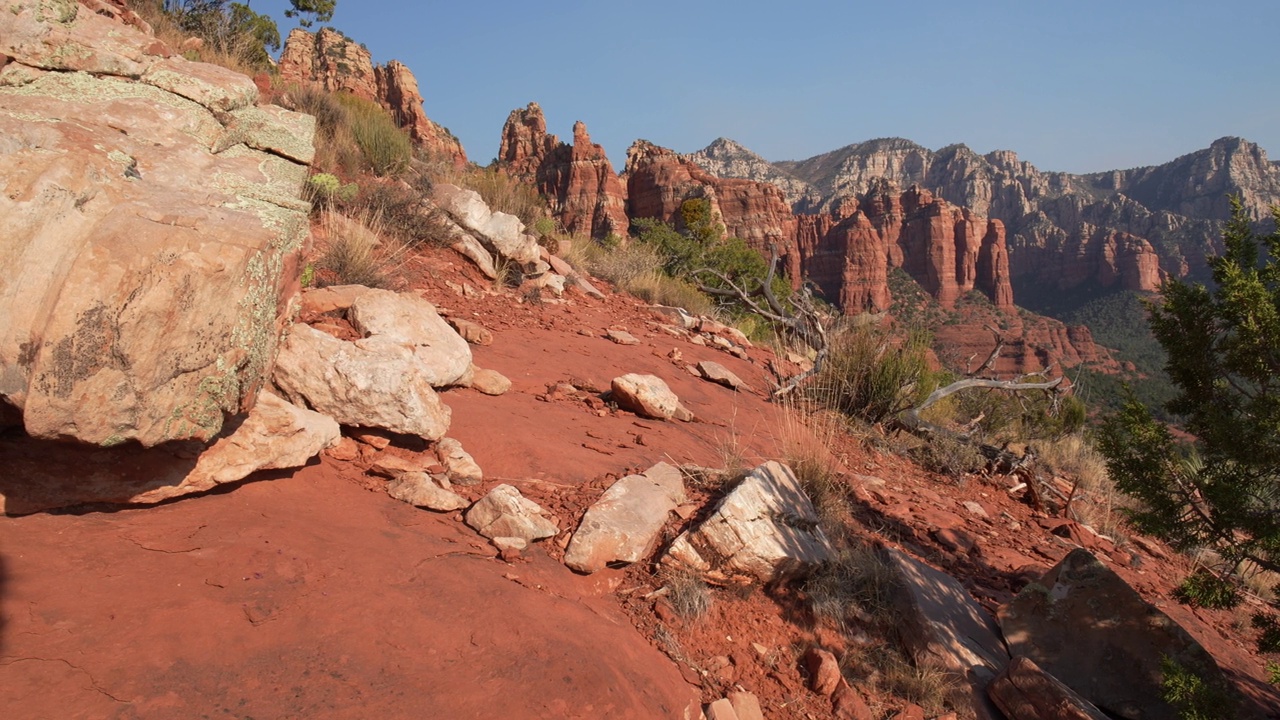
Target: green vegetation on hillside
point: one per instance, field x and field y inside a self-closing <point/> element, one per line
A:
<point x="1223" y="492"/>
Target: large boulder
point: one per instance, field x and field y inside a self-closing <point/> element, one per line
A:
<point x="624" y="523"/>
<point x="134" y="306"/>
<point x="374" y="382"/>
<point x="765" y="528"/>
<point x="1084" y="625"/>
<point x="503" y="233"/>
<point x="940" y="620"/>
<point x="443" y="354"/>
<point x="648" y="395"/>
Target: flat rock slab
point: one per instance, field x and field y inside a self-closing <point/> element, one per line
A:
<point x="622" y="337"/>
<point x="1026" y="692"/>
<point x="504" y="512"/>
<point x="648" y="395"/>
<point x="624" y="523"/>
<point x="942" y="622"/>
<point x="719" y="374"/>
<point x="766" y="527"/>
<point x="1084" y="625"/>
<point x="443" y="355"/>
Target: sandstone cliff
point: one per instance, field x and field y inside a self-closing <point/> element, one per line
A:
<point x="585" y="194"/>
<point x="337" y="63"/>
<point x="1163" y="220"/>
<point x="133" y="308"/>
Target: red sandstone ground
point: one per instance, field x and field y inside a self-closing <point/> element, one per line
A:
<point x="313" y="594"/>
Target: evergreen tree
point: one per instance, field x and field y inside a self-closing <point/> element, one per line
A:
<point x="1223" y="343"/>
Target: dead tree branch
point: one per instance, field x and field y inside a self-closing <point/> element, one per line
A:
<point x="802" y="320"/>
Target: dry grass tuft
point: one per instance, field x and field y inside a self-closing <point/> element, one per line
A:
<point x="359" y="252"/>
<point x="688" y="593"/>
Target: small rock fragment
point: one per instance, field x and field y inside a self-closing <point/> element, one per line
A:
<point x="471" y="332"/>
<point x="504" y="512"/>
<point x="719" y="374"/>
<point x="489" y="382"/>
<point x="462" y="468"/>
<point x="420" y="490"/>
<point x="622" y="337"/>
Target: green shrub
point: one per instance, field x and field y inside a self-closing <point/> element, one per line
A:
<point x="1192" y="696"/>
<point x="325" y="189"/>
<point x="1269" y="637"/>
<point x="872" y="375"/>
<point x="399" y="211"/>
<point x="358" y="253"/>
<point x="1273" y="673"/>
<point x="386" y="147"/>
<point x="1204" y="588"/>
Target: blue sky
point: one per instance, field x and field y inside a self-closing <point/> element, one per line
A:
<point x="1076" y="86"/>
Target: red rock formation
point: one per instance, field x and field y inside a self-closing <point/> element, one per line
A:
<point x="993" y="267"/>
<point x="659" y="181"/>
<point x="585" y="194"/>
<point x="398" y="92"/>
<point x="525" y="141"/>
<point x="948" y="250"/>
<point x="337" y="63"/>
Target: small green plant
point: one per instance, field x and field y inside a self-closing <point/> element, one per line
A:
<point x="873" y="375"/>
<point x="1192" y="696"/>
<point x="1273" y="673"/>
<point x="358" y="253"/>
<point x="1205" y="588"/>
<point x="308" y="275"/>
<point x="326" y="189"/>
<point x="1269" y="637"/>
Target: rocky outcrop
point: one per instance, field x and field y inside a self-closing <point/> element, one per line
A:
<point x="525" y="141"/>
<point x="727" y="159"/>
<point x="585" y="194"/>
<point x="132" y="308"/>
<point x="1026" y="692"/>
<point x="765" y="529"/>
<point x="849" y="248"/>
<point x="659" y="181"/>
<point x="1081" y="616"/>
<point x="500" y="233"/>
<point x="849" y="251"/>
<point x="335" y="62"/>
<point x="375" y="382"/>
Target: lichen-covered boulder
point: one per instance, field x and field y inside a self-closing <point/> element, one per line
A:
<point x="149" y="220"/>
